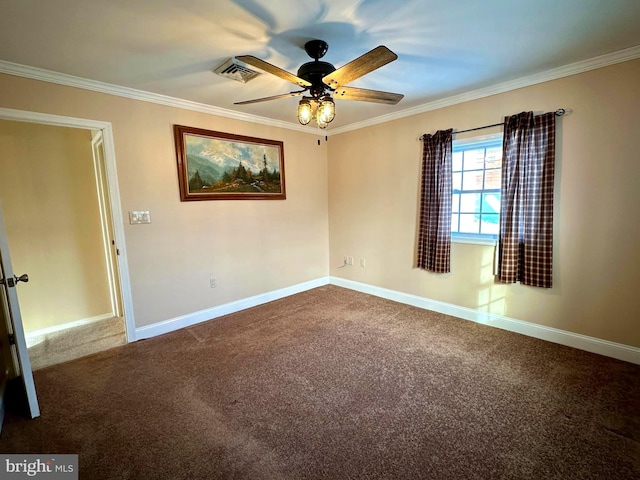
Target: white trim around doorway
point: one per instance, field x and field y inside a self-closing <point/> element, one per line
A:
<point x="114" y="193"/>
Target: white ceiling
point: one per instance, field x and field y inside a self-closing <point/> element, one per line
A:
<point x="444" y="47"/>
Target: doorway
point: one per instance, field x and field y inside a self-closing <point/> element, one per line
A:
<point x="66" y="227"/>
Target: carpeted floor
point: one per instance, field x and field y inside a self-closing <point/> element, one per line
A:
<point x="76" y="342"/>
<point x="335" y="384"/>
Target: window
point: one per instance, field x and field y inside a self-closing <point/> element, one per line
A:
<point x="477" y="173"/>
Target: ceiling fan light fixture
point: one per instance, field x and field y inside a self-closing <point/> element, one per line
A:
<point x="326" y="110"/>
<point x="305" y="111"/>
<point x="320" y="79"/>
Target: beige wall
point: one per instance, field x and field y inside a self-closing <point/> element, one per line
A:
<point x="373" y="192"/>
<point x="364" y="204"/>
<point x="50" y="207"/>
<point x="251" y="247"/>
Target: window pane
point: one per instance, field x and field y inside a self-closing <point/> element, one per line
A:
<point x="477" y="181"/>
<point x="454" y="222"/>
<point x="472" y="180"/>
<point x="457" y="161"/>
<point x="456" y="182"/>
<point x="492" y="179"/>
<point x="490" y="203"/>
<point x="470" y="202"/>
<point x="469" y="223"/>
<point x="494" y="157"/>
<point x="474" y="159"/>
<point x="490" y="224"/>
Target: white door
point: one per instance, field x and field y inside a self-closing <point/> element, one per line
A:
<point x="18" y="359"/>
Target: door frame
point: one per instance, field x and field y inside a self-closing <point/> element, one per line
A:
<point x="106" y="220"/>
<point x="114" y="193"/>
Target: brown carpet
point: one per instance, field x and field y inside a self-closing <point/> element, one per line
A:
<point x="76" y="342"/>
<point x="335" y="384"/>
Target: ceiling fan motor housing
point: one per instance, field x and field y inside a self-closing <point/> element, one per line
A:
<point x="313" y="72"/>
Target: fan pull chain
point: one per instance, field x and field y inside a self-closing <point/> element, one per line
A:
<point x="326" y="137"/>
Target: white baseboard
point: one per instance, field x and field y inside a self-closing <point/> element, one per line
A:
<point x="58" y="328"/>
<point x="562" y="337"/>
<point x="190" y="319"/>
<point x="555" y="335"/>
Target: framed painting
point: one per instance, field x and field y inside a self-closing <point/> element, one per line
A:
<point x="222" y="166"/>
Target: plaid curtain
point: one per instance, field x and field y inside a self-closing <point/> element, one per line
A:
<point x="434" y="235"/>
<point x="526" y="217"/>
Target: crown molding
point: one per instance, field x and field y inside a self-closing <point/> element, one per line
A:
<point x="35" y="73"/>
<point x="601" y="61"/>
<point x="50" y="76"/>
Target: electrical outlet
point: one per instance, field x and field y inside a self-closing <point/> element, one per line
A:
<point x="350" y="260"/>
<point x="363" y="262"/>
<point x="213" y="282"/>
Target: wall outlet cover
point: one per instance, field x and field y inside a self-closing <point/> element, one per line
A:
<point x="139" y="216"/>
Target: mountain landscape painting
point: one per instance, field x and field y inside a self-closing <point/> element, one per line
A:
<point x="216" y="165"/>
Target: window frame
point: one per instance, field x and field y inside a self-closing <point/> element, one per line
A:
<point x="473" y="143"/>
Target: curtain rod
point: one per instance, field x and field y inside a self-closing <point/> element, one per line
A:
<point x="559" y="112"/>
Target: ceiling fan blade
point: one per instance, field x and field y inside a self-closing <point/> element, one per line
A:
<point x="364" y="95"/>
<point x="368" y="62"/>
<point x="273" y="70"/>
<point x="275" y="97"/>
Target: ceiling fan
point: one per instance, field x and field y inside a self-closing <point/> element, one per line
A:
<point x="321" y="80"/>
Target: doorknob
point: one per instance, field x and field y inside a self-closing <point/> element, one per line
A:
<point x="11" y="282"/>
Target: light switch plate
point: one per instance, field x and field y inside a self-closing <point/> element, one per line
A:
<point x="139" y="216"/>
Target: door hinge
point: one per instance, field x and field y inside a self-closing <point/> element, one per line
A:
<point x="12" y="339"/>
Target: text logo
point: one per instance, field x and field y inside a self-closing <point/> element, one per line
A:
<point x="50" y="467"/>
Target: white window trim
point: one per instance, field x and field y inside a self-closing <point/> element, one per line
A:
<point x="473" y="240"/>
<point x="469" y="238"/>
<point x="477" y="139"/>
